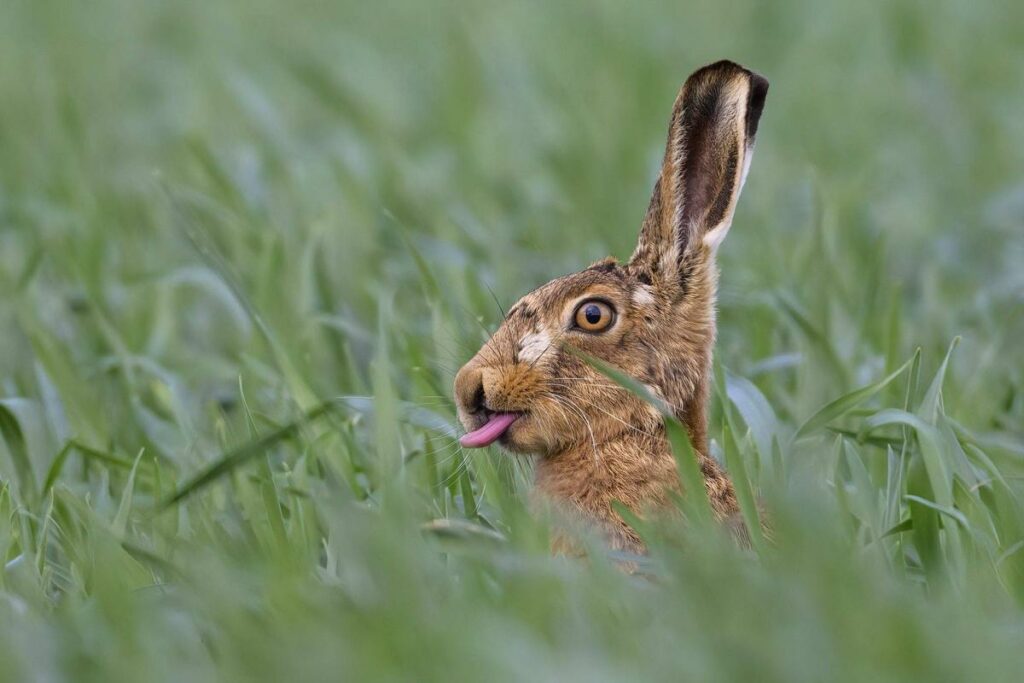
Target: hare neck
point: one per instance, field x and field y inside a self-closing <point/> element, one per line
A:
<point x="636" y="469"/>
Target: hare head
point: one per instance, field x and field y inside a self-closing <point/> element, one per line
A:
<point x="652" y="317"/>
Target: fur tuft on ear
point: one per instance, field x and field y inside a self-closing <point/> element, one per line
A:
<point x="710" y="145"/>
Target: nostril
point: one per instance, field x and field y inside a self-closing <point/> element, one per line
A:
<point x="469" y="390"/>
<point x="479" y="400"/>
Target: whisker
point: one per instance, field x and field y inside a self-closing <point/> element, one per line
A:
<point x="463" y="466"/>
<point x="616" y="417"/>
<point x="586" y="421"/>
<point x="583" y="382"/>
<point x="496" y="302"/>
<point x="443" y="449"/>
<point x="586" y="379"/>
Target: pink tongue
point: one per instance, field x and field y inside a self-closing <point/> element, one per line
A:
<point x="490" y="432"/>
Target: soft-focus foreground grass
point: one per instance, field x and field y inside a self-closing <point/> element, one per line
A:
<point x="250" y="242"/>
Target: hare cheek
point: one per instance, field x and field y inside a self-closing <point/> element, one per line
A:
<point x="532" y="346"/>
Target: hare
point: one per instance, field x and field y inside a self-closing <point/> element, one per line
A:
<point x="652" y="317"/>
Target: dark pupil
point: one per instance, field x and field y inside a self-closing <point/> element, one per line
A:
<point x="592" y="314"/>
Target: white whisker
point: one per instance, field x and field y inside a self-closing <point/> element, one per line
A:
<point x="583" y="416"/>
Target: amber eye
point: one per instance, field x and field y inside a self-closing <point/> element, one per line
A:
<point x="594" y="316"/>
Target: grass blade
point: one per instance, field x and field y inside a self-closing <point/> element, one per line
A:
<point x="14" y="438"/>
<point x="846" y="403"/>
<point x="241" y="455"/>
<point x="124" y="508"/>
<point x="744" y="494"/>
<point x="695" y="495"/>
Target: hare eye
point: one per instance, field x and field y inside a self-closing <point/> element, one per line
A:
<point x="594" y="316"/>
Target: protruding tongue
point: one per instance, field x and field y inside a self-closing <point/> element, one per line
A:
<point x="490" y="432"/>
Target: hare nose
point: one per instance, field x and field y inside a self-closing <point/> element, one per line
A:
<point x="469" y="390"/>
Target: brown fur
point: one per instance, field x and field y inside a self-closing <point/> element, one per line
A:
<point x="597" y="442"/>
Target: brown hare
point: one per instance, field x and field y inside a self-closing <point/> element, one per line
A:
<point x="652" y="317"/>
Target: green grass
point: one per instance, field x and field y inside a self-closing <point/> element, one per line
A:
<point x="245" y="245"/>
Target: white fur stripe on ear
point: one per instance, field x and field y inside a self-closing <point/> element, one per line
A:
<point x="716" y="234"/>
<point x="714" y="237"/>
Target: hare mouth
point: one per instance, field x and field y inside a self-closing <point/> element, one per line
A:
<point x="492" y="430"/>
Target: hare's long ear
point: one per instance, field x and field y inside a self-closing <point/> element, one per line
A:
<point x="710" y="141"/>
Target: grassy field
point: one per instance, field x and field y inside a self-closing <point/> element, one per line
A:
<point x="245" y="245"/>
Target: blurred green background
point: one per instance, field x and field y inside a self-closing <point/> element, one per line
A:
<point x="245" y="245"/>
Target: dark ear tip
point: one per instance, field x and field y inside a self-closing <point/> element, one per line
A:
<point x="721" y="69"/>
<point x="726" y="69"/>
<point x="755" y="102"/>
